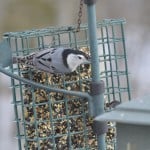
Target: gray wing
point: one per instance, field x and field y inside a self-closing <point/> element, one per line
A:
<point x="45" y="60"/>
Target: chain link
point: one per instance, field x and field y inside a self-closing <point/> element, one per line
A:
<point x="80" y="15"/>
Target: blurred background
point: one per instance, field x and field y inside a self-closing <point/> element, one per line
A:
<point x="19" y="15"/>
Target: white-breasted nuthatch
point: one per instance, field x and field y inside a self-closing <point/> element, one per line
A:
<point x="54" y="60"/>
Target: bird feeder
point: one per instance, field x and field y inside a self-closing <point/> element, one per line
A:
<point x="132" y="124"/>
<point x="57" y="111"/>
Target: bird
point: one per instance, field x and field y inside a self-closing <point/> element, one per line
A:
<point x="54" y="60"/>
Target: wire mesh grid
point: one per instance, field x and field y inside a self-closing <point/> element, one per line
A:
<point x="50" y="120"/>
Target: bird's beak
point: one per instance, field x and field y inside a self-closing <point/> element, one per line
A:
<point x="89" y="60"/>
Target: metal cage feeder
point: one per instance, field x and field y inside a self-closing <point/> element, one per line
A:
<point x="56" y="111"/>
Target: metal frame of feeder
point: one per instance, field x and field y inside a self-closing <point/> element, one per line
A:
<point x="96" y="96"/>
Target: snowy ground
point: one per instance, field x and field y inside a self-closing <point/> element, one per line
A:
<point x="7" y="127"/>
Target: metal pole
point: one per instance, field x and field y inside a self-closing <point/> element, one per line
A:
<point x="98" y="96"/>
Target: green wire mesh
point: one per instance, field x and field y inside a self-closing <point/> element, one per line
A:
<point x="56" y="121"/>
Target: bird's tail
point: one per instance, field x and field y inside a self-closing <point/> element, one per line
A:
<point x="18" y="59"/>
<point x="23" y="59"/>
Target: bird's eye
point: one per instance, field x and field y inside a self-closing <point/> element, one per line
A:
<point x="79" y="57"/>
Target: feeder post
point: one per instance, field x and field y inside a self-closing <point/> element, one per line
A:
<point x="97" y="86"/>
<point x="5" y="54"/>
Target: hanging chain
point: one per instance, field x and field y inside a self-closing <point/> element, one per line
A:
<point x="80" y="15"/>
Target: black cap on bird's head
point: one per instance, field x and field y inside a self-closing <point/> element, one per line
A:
<point x="81" y="53"/>
<point x="73" y="58"/>
<point x="71" y="51"/>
